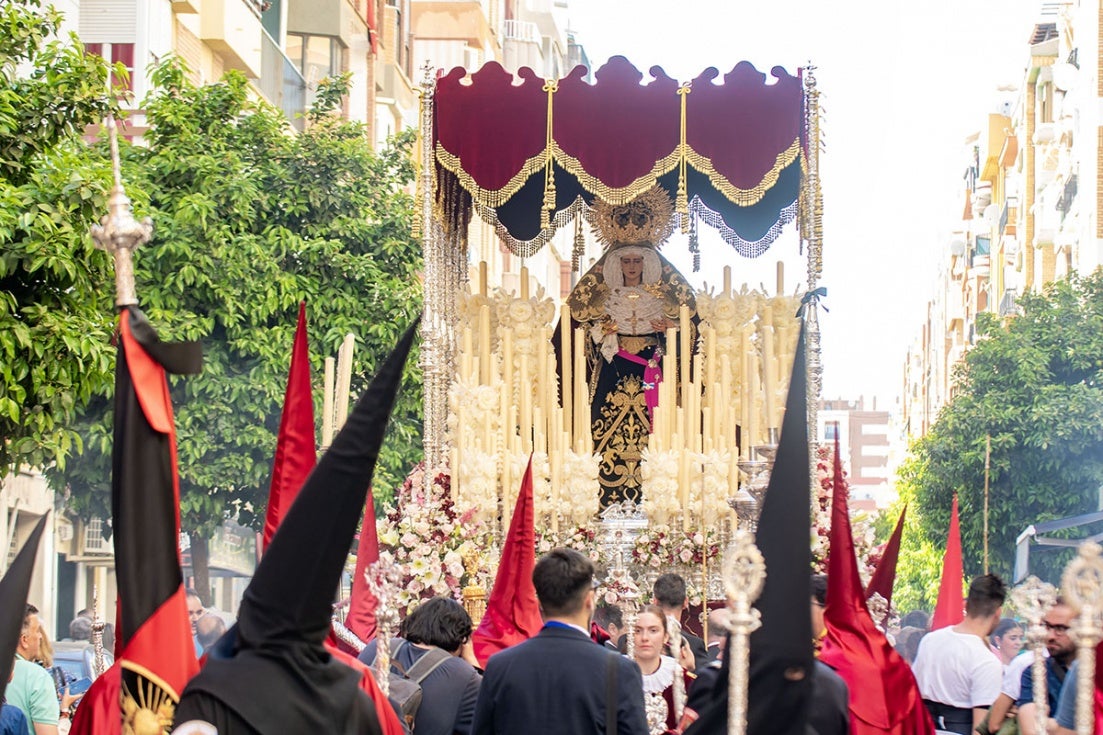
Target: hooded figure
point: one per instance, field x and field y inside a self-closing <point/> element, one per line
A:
<point x="270" y="673"/>
<point x="781" y="659"/>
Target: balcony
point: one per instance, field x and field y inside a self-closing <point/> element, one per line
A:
<point x="233" y="29"/>
<point x="1068" y="196"/>
<point x="520" y="30"/>
<point x="1008" y="304"/>
<point x="280" y="82"/>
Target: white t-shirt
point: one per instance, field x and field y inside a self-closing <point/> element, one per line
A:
<point x="957" y="669"/>
<point x="1013" y="674"/>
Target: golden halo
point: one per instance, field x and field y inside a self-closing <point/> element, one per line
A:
<point x="646" y="220"/>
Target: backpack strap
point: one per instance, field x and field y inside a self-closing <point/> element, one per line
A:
<point x="429" y="662"/>
<point x="611" y="693"/>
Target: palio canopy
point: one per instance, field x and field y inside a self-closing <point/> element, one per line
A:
<point x="527" y="155"/>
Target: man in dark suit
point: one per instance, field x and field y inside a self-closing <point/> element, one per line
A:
<point x="561" y="681"/>
<point x="670" y="595"/>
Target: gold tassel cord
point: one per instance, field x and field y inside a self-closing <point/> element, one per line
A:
<point x="579" y="244"/>
<point x="681" y="201"/>
<point x="551" y="86"/>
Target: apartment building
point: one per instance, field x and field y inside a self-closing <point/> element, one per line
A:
<point x="1030" y="214"/>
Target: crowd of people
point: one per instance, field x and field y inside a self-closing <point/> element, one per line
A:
<point x="583" y="674"/>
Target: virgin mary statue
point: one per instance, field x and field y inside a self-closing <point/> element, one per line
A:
<point x="625" y="303"/>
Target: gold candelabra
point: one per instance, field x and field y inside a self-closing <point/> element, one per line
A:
<point x="474" y="596"/>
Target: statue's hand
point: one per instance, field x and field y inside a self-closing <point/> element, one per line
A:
<point x="661" y="325"/>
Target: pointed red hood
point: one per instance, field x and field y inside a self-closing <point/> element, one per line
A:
<point x="884" y="695"/>
<point x="361" y="617"/>
<point x="950" y="608"/>
<point x="296" y="450"/>
<point x="512" y="612"/>
<point x="885" y="574"/>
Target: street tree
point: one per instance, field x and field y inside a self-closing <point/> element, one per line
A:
<point x="249" y="219"/>
<point x="1033" y="383"/>
<point x="55" y="287"/>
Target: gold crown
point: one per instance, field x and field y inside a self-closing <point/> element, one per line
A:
<point x="646" y="220"/>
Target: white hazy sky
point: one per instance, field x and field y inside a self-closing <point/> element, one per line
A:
<point x="903" y="85"/>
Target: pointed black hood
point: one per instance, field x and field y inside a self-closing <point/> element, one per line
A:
<point x="291" y="594"/>
<point x="271" y="669"/>
<point x="781" y="649"/>
<point x="13" y="600"/>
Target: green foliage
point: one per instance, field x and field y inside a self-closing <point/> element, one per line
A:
<point x="250" y="219"/>
<point x="1034" y="383"/>
<point x="919" y="568"/>
<point x="55" y="288"/>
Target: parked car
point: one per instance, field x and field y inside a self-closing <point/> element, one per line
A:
<point x="77" y="659"/>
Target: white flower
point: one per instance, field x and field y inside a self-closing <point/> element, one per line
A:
<point x="521" y="311"/>
<point x="724" y="309"/>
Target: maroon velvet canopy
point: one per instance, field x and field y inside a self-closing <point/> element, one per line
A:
<point x="526" y="153"/>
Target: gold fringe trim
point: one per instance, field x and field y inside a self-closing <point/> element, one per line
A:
<point x="752" y="196"/>
<point x="495" y="198"/>
<point x="492" y="198"/>
<point x="620" y="194"/>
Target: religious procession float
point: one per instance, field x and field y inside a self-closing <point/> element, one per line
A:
<point x="649" y="409"/>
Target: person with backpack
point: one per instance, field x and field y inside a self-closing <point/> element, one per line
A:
<point x="434" y="678"/>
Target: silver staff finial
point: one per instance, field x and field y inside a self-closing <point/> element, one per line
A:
<point x="119" y="233"/>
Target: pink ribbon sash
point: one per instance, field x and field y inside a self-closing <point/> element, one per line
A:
<point x="652" y="376"/>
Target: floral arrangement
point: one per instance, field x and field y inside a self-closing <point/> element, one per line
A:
<point x="861" y="524"/>
<point x="580" y="538"/>
<point x="428" y="539"/>
<point x="661" y="547"/>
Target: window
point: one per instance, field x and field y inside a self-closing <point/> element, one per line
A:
<point x="831" y="431"/>
<point x="316" y="57"/>
<point x="112" y="53"/>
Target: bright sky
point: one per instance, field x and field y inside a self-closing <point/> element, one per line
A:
<point x="903" y="85"/>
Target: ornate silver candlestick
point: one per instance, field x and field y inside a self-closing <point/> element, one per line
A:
<point x="744" y="575"/>
<point x="383" y="580"/>
<point x="1033" y="598"/>
<point x="1082" y="584"/>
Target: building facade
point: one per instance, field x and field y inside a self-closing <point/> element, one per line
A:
<point x="1032" y="182"/>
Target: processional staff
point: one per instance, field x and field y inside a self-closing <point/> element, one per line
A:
<point x="1033" y="598"/>
<point x="1082" y="584"/>
<point x="119" y="233"/>
<point x="744" y="572"/>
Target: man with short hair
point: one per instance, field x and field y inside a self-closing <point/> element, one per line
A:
<point x="719" y="622"/>
<point x="434" y="650"/>
<point x="31" y="688"/>
<point x="195" y="612"/>
<point x="560" y="681"/>
<point x="670" y="595"/>
<point x="611" y="619"/>
<point x="80" y="629"/>
<point x="958" y="675"/>
<point x="208" y="629"/>
<point x="1062" y="651"/>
